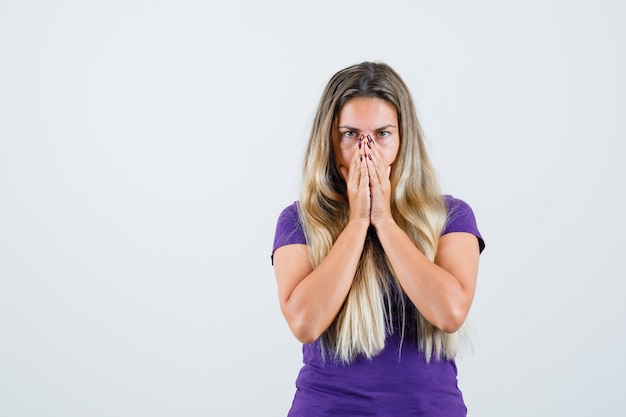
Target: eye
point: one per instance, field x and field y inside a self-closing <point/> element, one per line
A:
<point x="349" y="134"/>
<point x="383" y="134"/>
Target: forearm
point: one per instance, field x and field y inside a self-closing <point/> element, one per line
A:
<point x="316" y="300"/>
<point x="439" y="296"/>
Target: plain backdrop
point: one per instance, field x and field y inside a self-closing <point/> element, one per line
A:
<point x="147" y="148"/>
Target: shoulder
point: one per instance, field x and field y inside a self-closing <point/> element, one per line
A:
<point x="289" y="228"/>
<point x="461" y="218"/>
<point x="457" y="207"/>
<point x="289" y="220"/>
<point x="290" y="213"/>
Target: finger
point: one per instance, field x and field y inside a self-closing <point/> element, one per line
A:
<point x="344" y="173"/>
<point x="374" y="164"/>
<point x="364" y="176"/>
<point x="354" y="171"/>
<point x="382" y="170"/>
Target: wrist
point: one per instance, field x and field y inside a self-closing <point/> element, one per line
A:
<point x="384" y="223"/>
<point x="358" y="223"/>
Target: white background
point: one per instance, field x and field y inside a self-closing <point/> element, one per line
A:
<point x="147" y="148"/>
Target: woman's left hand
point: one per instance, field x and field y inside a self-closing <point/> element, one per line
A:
<point x="380" y="185"/>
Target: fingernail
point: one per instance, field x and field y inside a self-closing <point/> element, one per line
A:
<point x="369" y="138"/>
<point x="359" y="144"/>
<point x="369" y="145"/>
<point x="369" y="155"/>
<point x="361" y="157"/>
<point x="361" y="137"/>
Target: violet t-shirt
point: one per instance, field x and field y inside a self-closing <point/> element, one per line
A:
<point x="398" y="381"/>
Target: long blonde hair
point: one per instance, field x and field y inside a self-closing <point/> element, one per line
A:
<point x="367" y="315"/>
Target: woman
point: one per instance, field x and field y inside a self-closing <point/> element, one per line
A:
<point x="376" y="270"/>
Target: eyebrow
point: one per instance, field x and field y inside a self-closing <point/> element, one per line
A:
<point x="377" y="129"/>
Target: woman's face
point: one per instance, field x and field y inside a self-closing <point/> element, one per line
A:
<point x="366" y="116"/>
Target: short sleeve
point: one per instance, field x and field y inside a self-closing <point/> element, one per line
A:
<point x="288" y="229"/>
<point x="461" y="219"/>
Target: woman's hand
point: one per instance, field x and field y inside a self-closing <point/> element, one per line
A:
<point x="357" y="181"/>
<point x="311" y="297"/>
<point x="380" y="185"/>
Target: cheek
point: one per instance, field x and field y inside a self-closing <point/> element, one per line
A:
<point x="393" y="154"/>
<point x="344" y="154"/>
<point x="388" y="155"/>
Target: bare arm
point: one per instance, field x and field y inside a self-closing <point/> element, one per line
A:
<point x="442" y="290"/>
<point x="310" y="299"/>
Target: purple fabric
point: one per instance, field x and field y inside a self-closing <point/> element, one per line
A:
<point x="398" y="381"/>
<point x="460" y="219"/>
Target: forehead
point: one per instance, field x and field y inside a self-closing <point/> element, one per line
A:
<point x="367" y="113"/>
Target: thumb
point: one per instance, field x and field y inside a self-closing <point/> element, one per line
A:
<point x="344" y="172"/>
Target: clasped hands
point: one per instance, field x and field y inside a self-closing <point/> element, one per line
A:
<point x="367" y="183"/>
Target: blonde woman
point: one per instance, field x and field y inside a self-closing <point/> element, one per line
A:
<point x="376" y="270"/>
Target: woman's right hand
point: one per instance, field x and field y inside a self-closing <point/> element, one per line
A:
<point x="311" y="297"/>
<point x="357" y="184"/>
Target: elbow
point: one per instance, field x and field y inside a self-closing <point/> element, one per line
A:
<point x="304" y="336"/>
<point x="450" y="326"/>
<point x="303" y="332"/>
<point x="302" y="327"/>
<point x="451" y="321"/>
